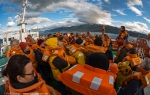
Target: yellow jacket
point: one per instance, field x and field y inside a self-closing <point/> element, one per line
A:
<point x="54" y="69"/>
<point x="79" y="56"/>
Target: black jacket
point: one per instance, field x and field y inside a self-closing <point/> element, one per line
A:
<point x="38" y="56"/>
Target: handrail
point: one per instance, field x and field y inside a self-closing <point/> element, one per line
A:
<point x="2" y="65"/>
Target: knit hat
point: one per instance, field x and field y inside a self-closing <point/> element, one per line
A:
<point x="40" y="41"/>
<point x="23" y="45"/>
<point x="79" y="41"/>
<point x="98" y="60"/>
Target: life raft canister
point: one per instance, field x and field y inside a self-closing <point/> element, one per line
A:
<point x="88" y="80"/>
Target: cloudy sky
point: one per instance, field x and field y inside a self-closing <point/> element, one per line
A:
<point x="134" y="14"/>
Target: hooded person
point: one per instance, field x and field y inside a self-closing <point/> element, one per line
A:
<point x="44" y="67"/>
<point x="23" y="80"/>
<point x="92" y="78"/>
<point x="58" y="61"/>
<point x="29" y="52"/>
<point x="77" y="51"/>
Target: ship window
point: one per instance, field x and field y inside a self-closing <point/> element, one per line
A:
<point x="9" y="39"/>
<point x="4" y="39"/>
<point x="34" y="35"/>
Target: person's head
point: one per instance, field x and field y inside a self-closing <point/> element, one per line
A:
<point x="146" y="64"/>
<point x="106" y="36"/>
<point x="41" y="43"/>
<point x="24" y="46"/>
<point x="60" y="38"/>
<point x="88" y="33"/>
<point x="98" y="60"/>
<point x="50" y="35"/>
<point x="29" y="36"/>
<point x="122" y="28"/>
<point x="98" y="41"/>
<point x="79" y="41"/>
<point x="33" y="41"/>
<point x="19" y="69"/>
<point x="14" y="43"/>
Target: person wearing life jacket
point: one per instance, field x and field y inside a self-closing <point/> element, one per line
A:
<point x="107" y="43"/>
<point x="29" y="52"/>
<point x="138" y="80"/>
<point x="23" y="80"/>
<point x="77" y="51"/>
<point x="71" y="39"/>
<point x="122" y="52"/>
<point x="62" y="42"/>
<point x="123" y="35"/>
<point x="92" y="78"/>
<point x="28" y="39"/>
<point x="96" y="47"/>
<point x="105" y="38"/>
<point x="15" y="48"/>
<point x="43" y="66"/>
<point x="133" y="58"/>
<point x="59" y="61"/>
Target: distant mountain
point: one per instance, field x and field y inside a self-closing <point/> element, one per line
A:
<point x="92" y="28"/>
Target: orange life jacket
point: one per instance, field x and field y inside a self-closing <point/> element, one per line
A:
<point x="128" y="46"/>
<point x="88" y="80"/>
<point x="75" y="47"/>
<point x="32" y="58"/>
<point x="36" y="89"/>
<point x="14" y="51"/>
<point x="140" y="74"/>
<point x="123" y="34"/>
<point x="28" y="41"/>
<point x="113" y="67"/>
<point x="106" y="42"/>
<point x="133" y="59"/>
<point x="94" y="48"/>
<point x="58" y="52"/>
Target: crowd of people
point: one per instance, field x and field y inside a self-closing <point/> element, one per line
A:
<point x="81" y="64"/>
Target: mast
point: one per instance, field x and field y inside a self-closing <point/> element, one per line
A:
<point x="22" y="23"/>
<point x="23" y="17"/>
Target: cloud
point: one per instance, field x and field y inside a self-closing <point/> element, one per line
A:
<point x="37" y="20"/>
<point x="106" y="1"/>
<point x="132" y="3"/>
<point x="120" y="12"/>
<point x="137" y="26"/>
<point x="0" y="25"/>
<point x="90" y="13"/>
<point x="148" y="20"/>
<point x="32" y="14"/>
<point x="10" y="23"/>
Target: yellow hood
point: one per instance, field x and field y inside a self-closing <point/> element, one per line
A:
<point x="52" y="42"/>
